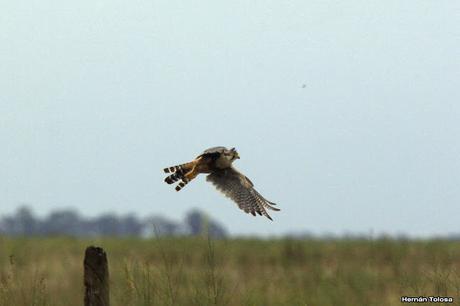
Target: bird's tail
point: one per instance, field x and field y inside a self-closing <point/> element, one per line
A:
<point x="182" y="184"/>
<point x="178" y="172"/>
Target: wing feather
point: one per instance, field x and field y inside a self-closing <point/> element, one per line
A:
<point x="213" y="153"/>
<point x="240" y="189"/>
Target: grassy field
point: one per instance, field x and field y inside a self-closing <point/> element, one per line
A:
<point x="196" y="271"/>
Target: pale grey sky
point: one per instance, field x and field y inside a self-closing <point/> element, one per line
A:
<point x="98" y="96"/>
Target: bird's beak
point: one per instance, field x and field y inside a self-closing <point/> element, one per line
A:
<point x="237" y="156"/>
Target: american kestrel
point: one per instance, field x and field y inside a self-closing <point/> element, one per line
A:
<point x="217" y="162"/>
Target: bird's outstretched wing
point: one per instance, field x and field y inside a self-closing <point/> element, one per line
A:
<point x="214" y="150"/>
<point x="240" y="189"/>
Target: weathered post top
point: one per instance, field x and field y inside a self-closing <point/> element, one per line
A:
<point x="96" y="277"/>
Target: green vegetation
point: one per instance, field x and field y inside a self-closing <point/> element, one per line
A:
<point x="196" y="271"/>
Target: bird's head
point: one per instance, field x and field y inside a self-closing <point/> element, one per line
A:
<point x="231" y="154"/>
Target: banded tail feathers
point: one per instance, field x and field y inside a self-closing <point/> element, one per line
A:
<point x="182" y="184"/>
<point x="174" y="168"/>
<point x="178" y="174"/>
<point x="174" y="177"/>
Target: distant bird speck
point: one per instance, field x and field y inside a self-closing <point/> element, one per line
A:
<point x="304" y="85"/>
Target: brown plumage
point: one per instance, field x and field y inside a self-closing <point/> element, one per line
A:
<point x="217" y="162"/>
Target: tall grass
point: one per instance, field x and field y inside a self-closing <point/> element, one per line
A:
<point x="202" y="271"/>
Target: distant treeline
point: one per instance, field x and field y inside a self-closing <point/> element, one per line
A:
<point x="69" y="222"/>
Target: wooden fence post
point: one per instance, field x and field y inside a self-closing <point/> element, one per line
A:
<point x="96" y="277"/>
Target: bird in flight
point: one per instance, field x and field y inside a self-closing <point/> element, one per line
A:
<point x="217" y="163"/>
